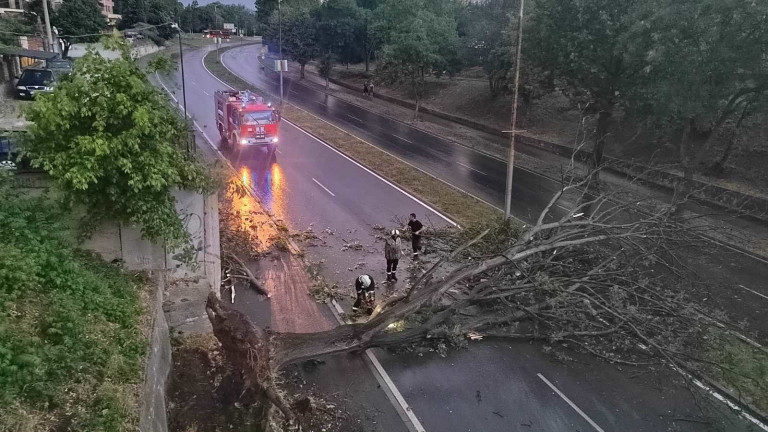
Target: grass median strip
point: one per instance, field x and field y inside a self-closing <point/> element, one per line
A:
<point x="463" y="208"/>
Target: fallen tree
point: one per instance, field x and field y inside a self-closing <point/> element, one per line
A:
<point x="593" y="275"/>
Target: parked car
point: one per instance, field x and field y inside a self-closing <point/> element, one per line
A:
<point x="34" y="81"/>
<point x="60" y="67"/>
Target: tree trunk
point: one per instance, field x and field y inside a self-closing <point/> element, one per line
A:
<point x="685" y="153"/>
<point x="416" y="114"/>
<point x="719" y="166"/>
<point x="301" y="74"/>
<point x="602" y="130"/>
<point x="367" y="61"/>
<point x="326" y="83"/>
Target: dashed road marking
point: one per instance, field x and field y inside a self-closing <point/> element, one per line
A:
<point x="469" y="167"/>
<point x="754" y="292"/>
<point x="573" y="405"/>
<point x="321" y="185"/>
<point x="399" y="137"/>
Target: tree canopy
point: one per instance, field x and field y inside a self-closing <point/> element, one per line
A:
<point x="299" y="31"/>
<point x="417" y="38"/>
<point x="79" y="21"/>
<point x="113" y="144"/>
<point x="705" y="69"/>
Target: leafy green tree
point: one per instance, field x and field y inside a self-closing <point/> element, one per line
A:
<point x="114" y="144"/>
<point x="706" y="73"/>
<point x="586" y="43"/>
<point x="11" y="26"/>
<point x="486" y="31"/>
<point x="264" y="10"/>
<point x="339" y="26"/>
<point x="417" y="39"/>
<point x="325" y="67"/>
<point x="79" y="21"/>
<point x="299" y="35"/>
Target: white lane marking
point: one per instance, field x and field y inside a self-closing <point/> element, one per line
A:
<point x="193" y="82"/>
<point x="398" y="188"/>
<point x="397" y="136"/>
<point x="469" y="167"/>
<point x="395" y="392"/>
<point x="278" y="151"/>
<point x="321" y="185"/>
<point x="726" y="401"/>
<point x="754" y="292"/>
<point x="206" y="92"/>
<point x="321" y="103"/>
<point x="573" y="405"/>
<point x="353" y="117"/>
<point x="384" y="379"/>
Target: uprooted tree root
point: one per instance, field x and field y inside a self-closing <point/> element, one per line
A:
<point x="597" y="277"/>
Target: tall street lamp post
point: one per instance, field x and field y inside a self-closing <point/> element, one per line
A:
<point x="511" y="158"/>
<point x="280" y="48"/>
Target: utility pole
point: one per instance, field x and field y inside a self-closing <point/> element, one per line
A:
<point x="48" y="26"/>
<point x="183" y="82"/>
<point x="511" y="158"/>
<point x="215" y="17"/>
<point x="280" y="47"/>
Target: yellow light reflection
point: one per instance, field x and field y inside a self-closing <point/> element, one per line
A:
<point x="277" y="191"/>
<point x="245" y="175"/>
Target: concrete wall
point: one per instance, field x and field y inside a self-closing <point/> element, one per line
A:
<point x="152" y="416"/>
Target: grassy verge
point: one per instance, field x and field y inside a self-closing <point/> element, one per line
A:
<point x="741" y="368"/>
<point x="463" y="208"/>
<point x="71" y="339"/>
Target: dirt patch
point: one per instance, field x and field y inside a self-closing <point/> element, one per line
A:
<point x="205" y="395"/>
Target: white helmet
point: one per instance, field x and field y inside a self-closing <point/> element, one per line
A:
<point x="365" y="281"/>
<point x="395" y="233"/>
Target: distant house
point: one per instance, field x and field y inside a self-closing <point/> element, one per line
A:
<point x="11" y="7"/>
<point x="108" y="9"/>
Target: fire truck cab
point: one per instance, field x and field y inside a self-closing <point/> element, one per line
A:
<point x="244" y="119"/>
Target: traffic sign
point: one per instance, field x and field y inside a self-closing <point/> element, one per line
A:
<point x="281" y="65"/>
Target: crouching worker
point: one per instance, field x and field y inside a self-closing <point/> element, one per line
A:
<point x="366" y="294"/>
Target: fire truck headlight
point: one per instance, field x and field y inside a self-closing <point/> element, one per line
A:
<point x="243" y="141"/>
<point x="274" y="140"/>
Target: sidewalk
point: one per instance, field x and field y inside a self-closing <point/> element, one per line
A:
<point x="742" y="233"/>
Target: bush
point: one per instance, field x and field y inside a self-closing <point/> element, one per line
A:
<point x="113" y="144"/>
<point x="71" y="346"/>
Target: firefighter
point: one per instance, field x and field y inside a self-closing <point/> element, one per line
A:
<point x="365" y="288"/>
<point x="392" y="252"/>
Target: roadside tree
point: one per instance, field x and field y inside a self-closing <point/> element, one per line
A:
<point x="586" y="44"/>
<point x="299" y="31"/>
<point x="325" y="66"/>
<point x="706" y="75"/>
<point x="113" y="144"/>
<point x="416" y="40"/>
<point x="79" y="21"/>
<point x="339" y="27"/>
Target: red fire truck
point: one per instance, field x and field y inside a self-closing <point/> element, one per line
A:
<point x="211" y="34"/>
<point x="244" y="119"/>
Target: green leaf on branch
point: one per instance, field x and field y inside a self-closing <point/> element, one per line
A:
<point x="115" y="145"/>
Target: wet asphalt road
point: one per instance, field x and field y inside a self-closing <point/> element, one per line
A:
<point x="311" y="185"/>
<point x="727" y="279"/>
